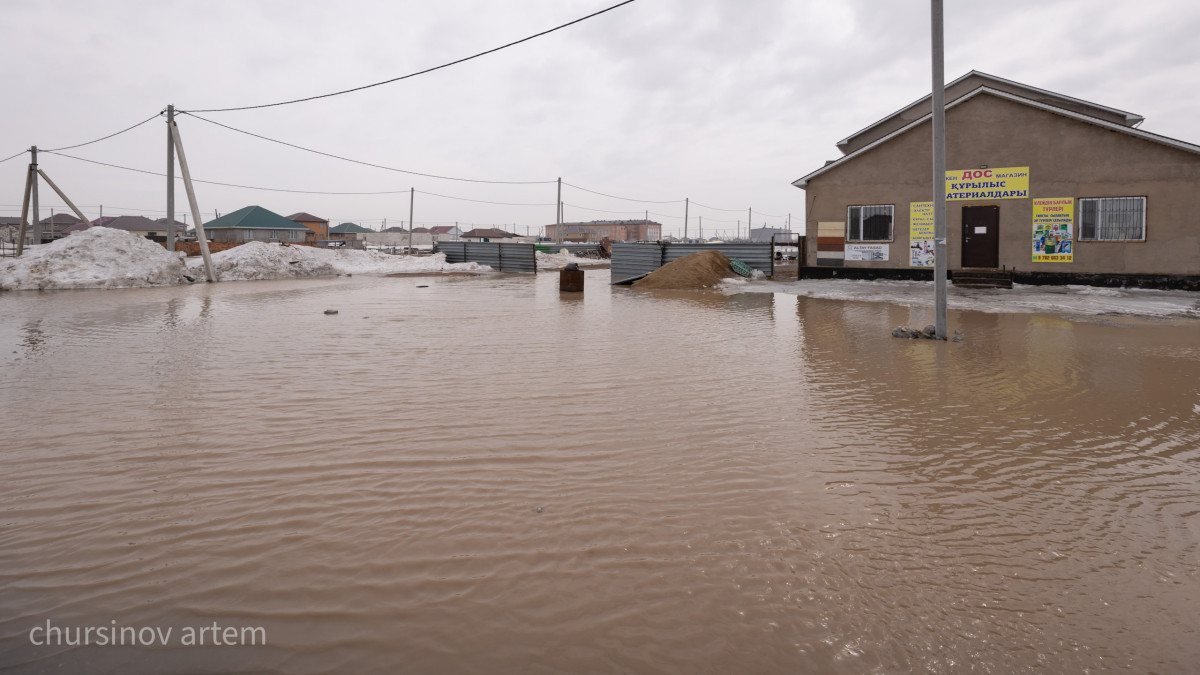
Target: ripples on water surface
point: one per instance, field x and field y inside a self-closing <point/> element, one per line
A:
<point x="483" y="476"/>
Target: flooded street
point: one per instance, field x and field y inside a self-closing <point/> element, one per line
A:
<point x="482" y="475"/>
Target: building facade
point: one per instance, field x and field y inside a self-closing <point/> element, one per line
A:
<point x="318" y="228"/>
<point x="614" y="230"/>
<point x="1052" y="188"/>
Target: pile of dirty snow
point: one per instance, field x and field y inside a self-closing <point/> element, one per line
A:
<point x="557" y="261"/>
<point x="698" y="270"/>
<point x="98" y="257"/>
<point x="260" y="260"/>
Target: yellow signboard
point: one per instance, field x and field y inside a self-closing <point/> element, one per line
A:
<point x="920" y="234"/>
<point x="981" y="184"/>
<point x="1052" y="240"/>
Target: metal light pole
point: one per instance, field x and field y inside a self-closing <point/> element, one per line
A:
<point x="939" y="171"/>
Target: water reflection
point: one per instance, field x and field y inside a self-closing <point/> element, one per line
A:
<point x="482" y="475"/>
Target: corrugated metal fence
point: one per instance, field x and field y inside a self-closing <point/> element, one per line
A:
<point x="499" y="256"/>
<point x="631" y="260"/>
<point x="573" y="249"/>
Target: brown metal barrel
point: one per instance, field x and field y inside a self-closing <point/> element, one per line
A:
<point x="570" y="281"/>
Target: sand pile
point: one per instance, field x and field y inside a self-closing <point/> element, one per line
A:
<point x="98" y="257"/>
<point x="698" y="270"/>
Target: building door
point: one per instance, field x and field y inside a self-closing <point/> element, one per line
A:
<point x="981" y="236"/>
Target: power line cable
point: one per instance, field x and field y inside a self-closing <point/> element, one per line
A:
<point x="14" y="156"/>
<point x="376" y="166"/>
<point x="233" y="185"/>
<point x="480" y="201"/>
<point x="696" y="203"/>
<point x="80" y="145"/>
<point x="627" y="199"/>
<point x="422" y="72"/>
<point x="585" y="208"/>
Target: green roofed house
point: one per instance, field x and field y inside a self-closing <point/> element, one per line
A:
<point x="347" y="231"/>
<point x="254" y="223"/>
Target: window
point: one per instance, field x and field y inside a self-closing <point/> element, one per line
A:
<point x="274" y="234"/>
<point x="1112" y="219"/>
<point x="869" y="223"/>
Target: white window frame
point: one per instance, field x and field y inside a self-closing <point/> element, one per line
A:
<point x="1100" y="213"/>
<point x="272" y="234"/>
<point x="891" y="235"/>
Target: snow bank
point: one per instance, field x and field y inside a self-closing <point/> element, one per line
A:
<point x="557" y="261"/>
<point x="98" y="257"/>
<point x="260" y="260"/>
<point x="1077" y="300"/>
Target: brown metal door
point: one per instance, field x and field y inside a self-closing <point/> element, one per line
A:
<point x="981" y="236"/>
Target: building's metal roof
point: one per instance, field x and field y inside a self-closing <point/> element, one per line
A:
<point x="254" y="218"/>
<point x="1137" y="133"/>
<point x="348" y="228"/>
<point x="1130" y="118"/>
<point x="303" y="217"/>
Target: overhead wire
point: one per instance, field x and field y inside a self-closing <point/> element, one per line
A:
<point x="233" y="185"/>
<point x="370" y="164"/>
<point x="421" y="72"/>
<point x="105" y="138"/>
<point x="627" y="199"/>
<point x="480" y="201"/>
<point x="14" y="156"/>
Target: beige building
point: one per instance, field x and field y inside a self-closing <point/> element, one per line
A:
<point x="1050" y="188"/>
<point x="615" y="230"/>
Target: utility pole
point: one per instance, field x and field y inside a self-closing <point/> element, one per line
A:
<point x="170" y="182"/>
<point x="701" y="225"/>
<point x="412" y="195"/>
<point x="201" y="238"/>
<point x="749" y="222"/>
<point x="687" y="201"/>
<point x="939" y="170"/>
<point x="29" y="178"/>
<point x="37" y="214"/>
<point x="558" y="212"/>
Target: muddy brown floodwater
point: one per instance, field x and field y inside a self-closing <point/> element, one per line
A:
<point x="484" y="476"/>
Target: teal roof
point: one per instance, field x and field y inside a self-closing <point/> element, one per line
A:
<point x="349" y="228"/>
<point x="253" y="217"/>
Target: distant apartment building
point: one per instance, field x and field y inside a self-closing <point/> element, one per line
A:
<point x="615" y="230"/>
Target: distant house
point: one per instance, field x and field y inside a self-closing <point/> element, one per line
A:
<point x="139" y="225"/>
<point x="445" y="233"/>
<point x="53" y="226"/>
<point x="764" y="234"/>
<point x="318" y="227"/>
<point x="348" y="231"/>
<point x="254" y="223"/>
<point x="490" y="234"/>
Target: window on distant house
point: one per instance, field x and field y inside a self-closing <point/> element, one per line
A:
<point x="869" y="223"/>
<point x="274" y="234"/>
<point x="1112" y="219"/>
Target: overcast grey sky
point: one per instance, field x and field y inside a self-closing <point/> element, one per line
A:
<point x="722" y="101"/>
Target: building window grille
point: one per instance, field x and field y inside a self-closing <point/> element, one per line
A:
<point x="869" y="223"/>
<point x="1112" y="219"/>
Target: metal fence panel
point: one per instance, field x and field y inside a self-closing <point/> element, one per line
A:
<point x="502" y="257"/>
<point x="456" y="251"/>
<point x="484" y="254"/>
<point x="630" y="260"/>
<point x="518" y="258"/>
